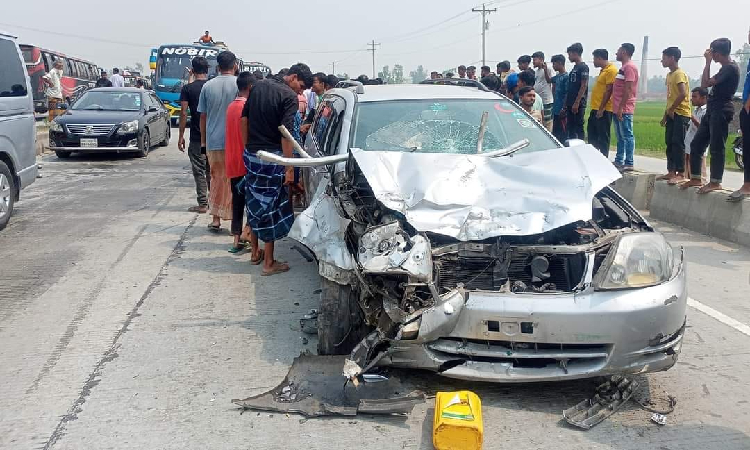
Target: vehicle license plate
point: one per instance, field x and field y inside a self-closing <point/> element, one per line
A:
<point x="89" y="143"/>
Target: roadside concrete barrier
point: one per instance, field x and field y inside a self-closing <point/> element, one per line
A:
<point x="709" y="214"/>
<point x="637" y="188"/>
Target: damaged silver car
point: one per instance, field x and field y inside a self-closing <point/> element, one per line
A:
<point x="453" y="233"/>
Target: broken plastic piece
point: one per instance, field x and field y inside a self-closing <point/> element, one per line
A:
<point x="309" y="322"/>
<point x="659" y="419"/>
<point x="610" y="396"/>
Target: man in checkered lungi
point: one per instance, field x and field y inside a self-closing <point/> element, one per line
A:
<point x="273" y="102"/>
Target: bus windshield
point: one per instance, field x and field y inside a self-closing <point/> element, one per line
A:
<point x="178" y="66"/>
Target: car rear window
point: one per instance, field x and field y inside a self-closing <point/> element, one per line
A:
<point x="445" y="126"/>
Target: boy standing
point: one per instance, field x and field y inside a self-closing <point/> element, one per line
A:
<point x="600" y="118"/>
<point x="677" y="115"/>
<point x="578" y="88"/>
<point x="699" y="97"/>
<point x="543" y="86"/>
<point x="714" y="128"/>
<point x="744" y="191"/>
<point x="560" y="82"/>
<point x="624" y="92"/>
<point x="189" y="97"/>
<point x="235" y="146"/>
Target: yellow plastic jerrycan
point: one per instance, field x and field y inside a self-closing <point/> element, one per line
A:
<point x="458" y="421"/>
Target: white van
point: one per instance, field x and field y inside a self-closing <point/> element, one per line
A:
<point x="18" y="167"/>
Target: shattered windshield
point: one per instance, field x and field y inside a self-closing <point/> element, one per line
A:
<point x="444" y="126"/>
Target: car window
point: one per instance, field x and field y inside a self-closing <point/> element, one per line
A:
<point x="155" y="100"/>
<point x="327" y="126"/>
<point x="445" y="126"/>
<point x="109" y="101"/>
<point x="12" y="71"/>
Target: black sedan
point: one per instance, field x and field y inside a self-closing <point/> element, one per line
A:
<point x="111" y="120"/>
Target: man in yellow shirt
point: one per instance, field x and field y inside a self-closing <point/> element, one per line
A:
<point x="677" y="115"/>
<point x="600" y="118"/>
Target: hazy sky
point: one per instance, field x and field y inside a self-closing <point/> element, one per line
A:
<point x="320" y="32"/>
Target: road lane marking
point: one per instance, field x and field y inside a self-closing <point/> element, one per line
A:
<point x="723" y="318"/>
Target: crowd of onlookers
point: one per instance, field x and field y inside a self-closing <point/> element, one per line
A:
<point x="234" y="115"/>
<point x="696" y="121"/>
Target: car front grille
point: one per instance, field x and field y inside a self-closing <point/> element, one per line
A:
<point x="90" y="130"/>
<point x="484" y="272"/>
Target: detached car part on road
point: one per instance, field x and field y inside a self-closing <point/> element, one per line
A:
<point x="455" y="234"/>
<point x="120" y="120"/>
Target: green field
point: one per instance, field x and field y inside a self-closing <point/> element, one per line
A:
<point x="649" y="134"/>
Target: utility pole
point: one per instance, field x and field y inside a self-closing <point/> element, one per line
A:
<point x="485" y="25"/>
<point x="644" y="68"/>
<point x="373" y="46"/>
<point x="333" y="67"/>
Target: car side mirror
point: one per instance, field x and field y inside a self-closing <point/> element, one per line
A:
<point x="153" y="109"/>
<point x="574" y="142"/>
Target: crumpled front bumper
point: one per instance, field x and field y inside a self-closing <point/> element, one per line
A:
<point x="506" y="337"/>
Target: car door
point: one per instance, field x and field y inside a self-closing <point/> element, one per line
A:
<point x="152" y="118"/>
<point x="162" y="114"/>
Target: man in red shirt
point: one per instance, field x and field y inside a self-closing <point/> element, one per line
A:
<point x="235" y="166"/>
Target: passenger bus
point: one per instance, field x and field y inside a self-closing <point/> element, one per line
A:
<point x="78" y="74"/>
<point x="252" y="66"/>
<point x="171" y="64"/>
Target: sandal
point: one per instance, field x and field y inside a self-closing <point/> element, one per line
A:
<point x="237" y="249"/>
<point x="737" y="196"/>
<point x="214" y="228"/>
<point x="277" y="268"/>
<point x="256" y="262"/>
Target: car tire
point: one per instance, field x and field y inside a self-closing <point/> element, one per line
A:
<point x="341" y="321"/>
<point x="8" y="192"/>
<point x="144" y="144"/>
<point x="62" y="154"/>
<point x="167" y="137"/>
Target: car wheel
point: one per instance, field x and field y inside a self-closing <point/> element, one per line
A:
<point x="341" y="321"/>
<point x="144" y="144"/>
<point x="167" y="136"/>
<point x="7" y="194"/>
<point x="62" y="154"/>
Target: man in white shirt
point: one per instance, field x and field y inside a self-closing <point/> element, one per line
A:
<point x="54" y="91"/>
<point x="543" y="86"/>
<point x="117" y="79"/>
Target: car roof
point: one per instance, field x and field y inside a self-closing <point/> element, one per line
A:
<point x="7" y="35"/>
<point x="116" y="89"/>
<point x="423" y="92"/>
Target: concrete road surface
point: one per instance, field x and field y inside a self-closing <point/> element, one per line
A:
<point x="124" y="323"/>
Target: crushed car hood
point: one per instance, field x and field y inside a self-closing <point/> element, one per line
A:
<point x="473" y="197"/>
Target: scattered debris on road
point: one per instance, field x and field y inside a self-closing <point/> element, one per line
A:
<point x="610" y="396"/>
<point x="659" y="419"/>
<point x="309" y="322"/>
<point x="313" y="388"/>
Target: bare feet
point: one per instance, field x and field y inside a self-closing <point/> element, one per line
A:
<point x="709" y="187"/>
<point x="276" y="268"/>
<point x="666" y="176"/>
<point x="675" y="179"/>
<point x="257" y="256"/>
<point x="694" y="182"/>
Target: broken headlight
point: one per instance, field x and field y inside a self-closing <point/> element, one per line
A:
<point x="636" y="260"/>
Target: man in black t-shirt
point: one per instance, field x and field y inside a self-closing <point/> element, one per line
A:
<point x="103" y="81"/>
<point x="714" y="128"/>
<point x="578" y="89"/>
<point x="272" y="103"/>
<point x="189" y="97"/>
